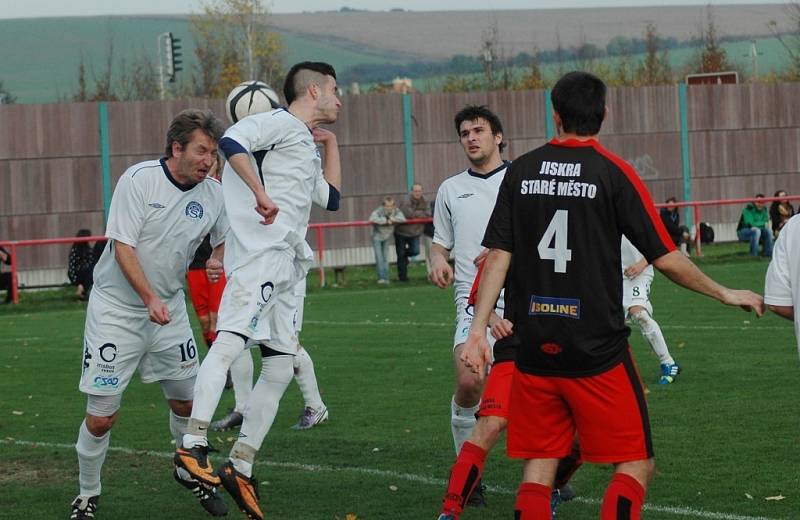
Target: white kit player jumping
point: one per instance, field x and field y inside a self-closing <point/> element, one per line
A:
<point x="637" y="275"/>
<point x="273" y="166"/>
<point x="136" y="319"/>
<point x="464" y="203"/>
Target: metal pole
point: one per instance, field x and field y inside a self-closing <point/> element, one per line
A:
<point x="321" y="254"/>
<point x="161" y="93"/>
<point x="14" y="289"/>
<point x="685" y="153"/>
<point x="549" y="126"/>
<point x="105" y="158"/>
<point x="408" y="141"/>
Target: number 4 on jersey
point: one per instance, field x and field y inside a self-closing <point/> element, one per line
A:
<point x="556" y="231"/>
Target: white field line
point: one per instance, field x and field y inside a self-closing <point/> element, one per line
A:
<point x="390" y="323"/>
<point x="409" y="477"/>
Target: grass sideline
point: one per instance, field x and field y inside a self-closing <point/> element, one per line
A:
<point x="725" y="433"/>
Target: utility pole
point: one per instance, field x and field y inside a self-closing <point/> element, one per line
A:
<point x="169" y="59"/>
<point x="753" y="54"/>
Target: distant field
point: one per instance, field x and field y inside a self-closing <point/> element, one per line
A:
<point x="41" y="56"/>
<point x="725" y="433"/>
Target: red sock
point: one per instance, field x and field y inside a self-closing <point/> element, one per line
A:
<point x="623" y="500"/>
<point x="533" y="502"/>
<point x="464" y="477"/>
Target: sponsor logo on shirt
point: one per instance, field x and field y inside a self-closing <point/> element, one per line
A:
<point x="266" y="291"/>
<point x="194" y="210"/>
<point x="465" y="195"/>
<point x="156" y="205"/>
<point x="551" y="348"/>
<point x="547" y="306"/>
<point x="86" y="357"/>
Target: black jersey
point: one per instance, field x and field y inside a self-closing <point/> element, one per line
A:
<point x="561" y="211"/>
<point x="202" y="254"/>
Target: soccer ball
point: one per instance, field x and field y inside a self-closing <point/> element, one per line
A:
<point x="248" y="98"/>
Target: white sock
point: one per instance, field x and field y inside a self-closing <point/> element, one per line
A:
<point x="242" y="457"/>
<point x="178" y="427"/>
<point x="211" y="381"/>
<point x="462" y="421"/>
<point x="242" y="377"/>
<point x="307" y="379"/>
<point x="653" y="335"/>
<point x="91" y="455"/>
<point x="276" y="374"/>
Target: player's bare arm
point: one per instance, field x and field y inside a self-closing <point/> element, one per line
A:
<point x="476" y="353"/>
<point x="634" y="270"/>
<point x="132" y="269"/>
<point x="683" y="272"/>
<point x="214" y="266"/>
<point x="783" y="311"/>
<point x="441" y="273"/>
<point x="240" y="163"/>
<point x="332" y="168"/>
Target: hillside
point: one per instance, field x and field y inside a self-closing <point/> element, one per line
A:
<point x="41" y="56"/>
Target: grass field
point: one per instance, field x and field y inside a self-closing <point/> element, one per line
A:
<point x="726" y="433"/>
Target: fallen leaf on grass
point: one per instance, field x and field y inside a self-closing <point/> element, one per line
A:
<point x="776" y="498"/>
<point x="393" y="488"/>
<point x="17" y="412"/>
<point x="749" y="496"/>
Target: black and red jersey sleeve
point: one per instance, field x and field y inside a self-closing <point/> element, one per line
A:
<point x="500" y="230"/>
<point x="637" y="217"/>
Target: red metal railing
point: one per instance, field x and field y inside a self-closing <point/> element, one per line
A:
<point x="319" y="230"/>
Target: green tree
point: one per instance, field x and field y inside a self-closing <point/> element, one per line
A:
<point x="713" y="57"/>
<point x="655" y="68"/>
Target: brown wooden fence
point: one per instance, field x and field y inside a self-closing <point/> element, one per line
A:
<point x="743" y="139"/>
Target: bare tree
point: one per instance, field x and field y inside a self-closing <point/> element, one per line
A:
<point x="6" y="98"/>
<point x="713" y="57"/>
<point x="232" y="44"/>
<point x="655" y="68"/>
<point x="790" y="40"/>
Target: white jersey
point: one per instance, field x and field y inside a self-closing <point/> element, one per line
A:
<point x="631" y="255"/>
<point x="463" y="206"/>
<point x="165" y="222"/>
<point x="782" y="284"/>
<point x="283" y="154"/>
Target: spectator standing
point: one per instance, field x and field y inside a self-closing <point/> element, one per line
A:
<point x="672" y="221"/>
<point x="753" y="227"/>
<point x="406" y="236"/>
<point x="780" y="211"/>
<point x="383" y="221"/>
<point x="5" y="277"/>
<point x="81" y="265"/>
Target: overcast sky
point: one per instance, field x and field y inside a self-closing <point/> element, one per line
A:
<point x="39" y="8"/>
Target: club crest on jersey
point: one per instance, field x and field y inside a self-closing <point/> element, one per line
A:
<point x="547" y="306"/>
<point x="194" y="210"/>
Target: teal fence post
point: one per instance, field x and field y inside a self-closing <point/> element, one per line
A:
<point x="408" y="141"/>
<point x="105" y="158"/>
<point x="549" y="127"/>
<point x="685" y="155"/>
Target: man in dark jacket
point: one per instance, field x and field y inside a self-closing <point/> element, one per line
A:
<point x="406" y="236"/>
<point x="5" y="278"/>
<point x="672" y="221"/>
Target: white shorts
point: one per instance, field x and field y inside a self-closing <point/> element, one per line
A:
<point x="637" y="292"/>
<point x="464" y="314"/>
<point x="118" y="340"/>
<point x="298" y="312"/>
<point x="259" y="301"/>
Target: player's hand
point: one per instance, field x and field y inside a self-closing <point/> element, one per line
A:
<point x="481" y="257"/>
<point x="476" y="354"/>
<point x="266" y="208"/>
<point x="502" y="328"/>
<point x="158" y="311"/>
<point x="747" y="300"/>
<point x="213" y="270"/>
<point x="324" y="137"/>
<point x="441" y="273"/>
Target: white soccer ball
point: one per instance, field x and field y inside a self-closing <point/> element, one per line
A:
<point x="250" y="97"/>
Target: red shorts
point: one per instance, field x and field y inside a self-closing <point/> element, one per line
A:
<point x="494" y="401"/>
<point x="205" y="295"/>
<point x="608" y="411"/>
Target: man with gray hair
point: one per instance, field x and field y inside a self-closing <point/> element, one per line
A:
<point x="136" y="318"/>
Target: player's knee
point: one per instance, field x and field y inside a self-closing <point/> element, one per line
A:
<point x="488" y="430"/>
<point x="643" y="319"/>
<point x="227" y="347"/>
<point x="99" y="426"/>
<point x="469" y="386"/>
<point x="181" y="408"/>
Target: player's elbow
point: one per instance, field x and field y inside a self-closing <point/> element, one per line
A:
<point x="782" y="311"/>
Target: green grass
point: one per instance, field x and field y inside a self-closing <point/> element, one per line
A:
<point x="728" y="427"/>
